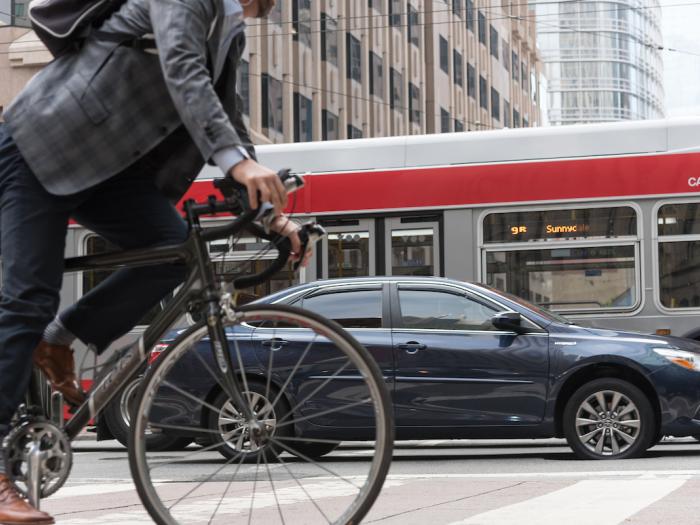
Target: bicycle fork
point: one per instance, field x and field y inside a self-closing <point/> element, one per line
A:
<point x="224" y="361"/>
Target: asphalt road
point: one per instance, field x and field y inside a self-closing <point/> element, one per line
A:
<point x="445" y="482"/>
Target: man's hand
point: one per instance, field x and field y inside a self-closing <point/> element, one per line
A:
<point x="259" y="179"/>
<point x="287" y="227"/>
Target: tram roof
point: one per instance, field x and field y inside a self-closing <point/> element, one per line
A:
<point x="677" y="135"/>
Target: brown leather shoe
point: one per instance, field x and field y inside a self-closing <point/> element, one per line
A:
<point x="56" y="361"/>
<point x="14" y="510"/>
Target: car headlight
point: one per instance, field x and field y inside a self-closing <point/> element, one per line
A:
<point x="680" y="357"/>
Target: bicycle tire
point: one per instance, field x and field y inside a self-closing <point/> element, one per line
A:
<point x="185" y="346"/>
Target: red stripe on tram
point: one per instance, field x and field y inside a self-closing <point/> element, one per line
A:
<point x="500" y="183"/>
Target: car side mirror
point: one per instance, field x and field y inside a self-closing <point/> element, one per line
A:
<point x="509" y="321"/>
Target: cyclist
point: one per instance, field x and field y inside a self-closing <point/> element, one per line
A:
<point x="110" y="135"/>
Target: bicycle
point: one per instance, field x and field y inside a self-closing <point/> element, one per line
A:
<point x="277" y="398"/>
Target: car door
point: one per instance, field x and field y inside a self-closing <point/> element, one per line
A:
<point x="454" y="368"/>
<point x="360" y="310"/>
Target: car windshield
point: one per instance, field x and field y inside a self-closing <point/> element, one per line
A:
<point x="547" y="314"/>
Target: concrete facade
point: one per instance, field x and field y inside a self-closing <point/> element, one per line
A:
<point x="328" y="69"/>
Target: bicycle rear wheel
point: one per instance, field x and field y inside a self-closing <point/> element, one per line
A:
<point x="308" y="382"/>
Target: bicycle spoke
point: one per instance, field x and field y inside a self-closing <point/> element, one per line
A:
<point x="318" y="388"/>
<point x="269" y="365"/>
<point x="312" y="500"/>
<point x="255" y="485"/>
<point x="194" y="430"/>
<point x="309" y="440"/>
<point x="323" y="413"/>
<point x="241" y="369"/>
<point x="183" y="458"/>
<point x="272" y="484"/>
<point x="294" y="371"/>
<point x="229" y="462"/>
<point x="227" y="489"/>
<point x="292" y="450"/>
<point x="189" y="396"/>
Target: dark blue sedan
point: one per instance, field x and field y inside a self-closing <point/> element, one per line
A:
<point x="463" y="360"/>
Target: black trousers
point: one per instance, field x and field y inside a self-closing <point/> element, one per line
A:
<point x="128" y="210"/>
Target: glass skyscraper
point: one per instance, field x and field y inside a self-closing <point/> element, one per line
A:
<point x="601" y="60"/>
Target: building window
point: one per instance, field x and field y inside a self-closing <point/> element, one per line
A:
<point x="414" y="103"/>
<point x="516" y="67"/>
<point x="457" y="7"/>
<point x="353" y="132"/>
<point x="523" y="77"/>
<point x="482" y="28"/>
<point x="414" y="27"/>
<point x="301" y="19"/>
<point x="495" y="104"/>
<point x="470" y="15"/>
<point x="271" y="103"/>
<point x="459" y="126"/>
<point x="275" y="15"/>
<point x="526" y="124"/>
<point x="471" y="81"/>
<point x="444" y="121"/>
<point x="505" y="47"/>
<point x="395" y="13"/>
<point x="376" y="75"/>
<point x="243" y="85"/>
<point x="303" y="118"/>
<point x="396" y="81"/>
<point x="506" y="113"/>
<point x="516" y="118"/>
<point x="444" y="56"/>
<point x="329" y="39"/>
<point x="457" y="67"/>
<point x="483" y="93"/>
<point x="354" y="58"/>
<point x="494" y="42"/>
<point x="330" y="123"/>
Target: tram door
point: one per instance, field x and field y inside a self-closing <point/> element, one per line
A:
<point x="349" y="250"/>
<point x="412" y="246"/>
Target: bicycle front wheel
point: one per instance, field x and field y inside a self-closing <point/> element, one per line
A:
<point x="313" y="391"/>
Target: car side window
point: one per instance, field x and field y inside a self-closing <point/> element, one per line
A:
<point x="437" y="310"/>
<point x="350" y="309"/>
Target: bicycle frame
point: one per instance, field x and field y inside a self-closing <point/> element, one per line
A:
<point x="200" y="286"/>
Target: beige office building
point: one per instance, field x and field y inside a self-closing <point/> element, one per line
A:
<point x="332" y="69"/>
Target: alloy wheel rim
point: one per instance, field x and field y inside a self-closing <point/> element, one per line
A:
<point x="608" y="423"/>
<point x="235" y="432"/>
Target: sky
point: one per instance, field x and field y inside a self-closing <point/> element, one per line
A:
<point x="680" y="20"/>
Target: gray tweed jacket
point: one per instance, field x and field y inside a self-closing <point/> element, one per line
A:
<point x="88" y="115"/>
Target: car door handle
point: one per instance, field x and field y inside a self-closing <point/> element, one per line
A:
<point x="275" y="343"/>
<point x="412" y="347"/>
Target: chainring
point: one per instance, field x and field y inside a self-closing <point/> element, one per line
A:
<point x="55" y="455"/>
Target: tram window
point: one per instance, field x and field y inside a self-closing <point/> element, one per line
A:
<point x="679" y="274"/>
<point x="234" y="258"/>
<point x="567" y="224"/>
<point x="348" y="254"/>
<point x="95" y="245"/>
<point x="679" y="219"/>
<point x="412" y="252"/>
<point x="567" y="279"/>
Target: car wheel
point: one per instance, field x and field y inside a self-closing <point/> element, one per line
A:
<point x="117" y="415"/>
<point x="311" y="450"/>
<point x="609" y="418"/>
<point x="232" y="433"/>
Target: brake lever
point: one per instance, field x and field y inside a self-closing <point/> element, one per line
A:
<point x="309" y="234"/>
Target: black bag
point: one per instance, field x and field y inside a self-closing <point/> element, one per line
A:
<point x="62" y="25"/>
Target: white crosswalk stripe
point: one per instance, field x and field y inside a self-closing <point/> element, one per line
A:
<point x="571" y="498"/>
